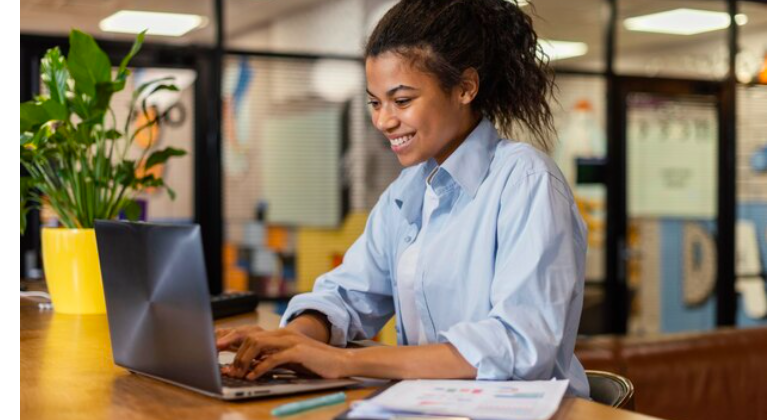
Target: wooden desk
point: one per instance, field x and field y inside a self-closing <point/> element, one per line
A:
<point x="67" y="372"/>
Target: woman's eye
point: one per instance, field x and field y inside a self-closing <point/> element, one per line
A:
<point x="372" y="104"/>
<point x="401" y="102"/>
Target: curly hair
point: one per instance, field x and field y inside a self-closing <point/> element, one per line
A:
<point x="496" y="38"/>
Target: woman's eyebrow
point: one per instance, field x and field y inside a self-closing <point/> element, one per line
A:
<point x="393" y="91"/>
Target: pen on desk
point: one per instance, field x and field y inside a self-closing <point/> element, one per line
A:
<point x="298" y="407"/>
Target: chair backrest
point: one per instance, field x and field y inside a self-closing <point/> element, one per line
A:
<point x="610" y="389"/>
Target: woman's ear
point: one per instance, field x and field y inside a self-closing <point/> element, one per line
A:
<point x="469" y="86"/>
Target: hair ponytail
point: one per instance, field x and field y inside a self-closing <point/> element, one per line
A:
<point x="495" y="37"/>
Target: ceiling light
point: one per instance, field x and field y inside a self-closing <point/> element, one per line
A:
<point x="167" y="24"/>
<point x="558" y="50"/>
<point x="682" y="22"/>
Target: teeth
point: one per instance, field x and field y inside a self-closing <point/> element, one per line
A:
<point x="401" y="140"/>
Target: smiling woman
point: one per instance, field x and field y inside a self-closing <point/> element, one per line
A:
<point x="478" y="247"/>
<point x="410" y="108"/>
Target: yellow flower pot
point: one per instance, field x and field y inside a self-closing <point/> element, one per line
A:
<point x="72" y="269"/>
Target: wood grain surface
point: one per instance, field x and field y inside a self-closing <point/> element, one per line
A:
<point x="67" y="372"/>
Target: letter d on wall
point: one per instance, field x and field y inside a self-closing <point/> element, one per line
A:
<point x="699" y="252"/>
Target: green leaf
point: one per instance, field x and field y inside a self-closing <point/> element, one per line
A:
<point x="112" y="134"/>
<point x="137" y="92"/>
<point x="40" y="134"/>
<point x="34" y="114"/>
<point x="131" y="210"/>
<point x="161" y="156"/>
<point x="157" y="88"/>
<point x="136" y="95"/>
<point x="104" y="91"/>
<point x="125" y="173"/>
<point x="55" y="110"/>
<point x="170" y="192"/>
<point x="80" y="104"/>
<point x="31" y="114"/>
<point x="33" y="139"/>
<point x="149" y="180"/>
<point x="53" y="71"/>
<point x="26" y="138"/>
<point x="122" y="70"/>
<point x="26" y="185"/>
<point x="88" y="64"/>
<point x="172" y="88"/>
<point x="26" y="155"/>
<point x="119" y="85"/>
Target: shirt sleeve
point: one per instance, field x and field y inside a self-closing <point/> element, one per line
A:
<point x="357" y="296"/>
<point x="538" y="262"/>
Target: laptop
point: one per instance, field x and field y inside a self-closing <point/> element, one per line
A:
<point x="159" y="313"/>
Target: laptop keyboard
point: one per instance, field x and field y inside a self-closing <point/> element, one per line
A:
<point x="230" y="382"/>
<point x="274" y="377"/>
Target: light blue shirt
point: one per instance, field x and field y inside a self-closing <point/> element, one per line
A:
<point x="500" y="274"/>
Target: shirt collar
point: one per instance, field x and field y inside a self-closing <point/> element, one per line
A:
<point x="465" y="167"/>
<point x="469" y="163"/>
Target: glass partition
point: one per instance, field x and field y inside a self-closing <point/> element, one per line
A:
<point x="751" y="260"/>
<point x="672" y="185"/>
<point x="302" y="167"/>
<point x="581" y="153"/>
<point x="673" y="38"/>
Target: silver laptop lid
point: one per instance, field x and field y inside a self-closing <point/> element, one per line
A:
<point x="158" y="302"/>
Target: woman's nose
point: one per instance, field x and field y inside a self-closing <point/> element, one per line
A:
<point x="386" y="120"/>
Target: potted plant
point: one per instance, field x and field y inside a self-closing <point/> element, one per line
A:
<point x="76" y="157"/>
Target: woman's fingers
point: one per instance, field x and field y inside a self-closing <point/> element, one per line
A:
<point x="270" y="362"/>
<point x="261" y="352"/>
<point x="231" y="338"/>
<point x="247" y="352"/>
<point x="258" y="345"/>
<point x="228" y="340"/>
<point x="229" y="370"/>
<point x="221" y="332"/>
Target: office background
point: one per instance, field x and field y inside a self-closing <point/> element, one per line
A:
<point x="663" y="137"/>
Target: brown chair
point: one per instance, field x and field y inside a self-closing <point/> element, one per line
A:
<point x="611" y="389"/>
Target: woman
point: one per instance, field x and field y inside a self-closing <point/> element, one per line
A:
<point x="477" y="247"/>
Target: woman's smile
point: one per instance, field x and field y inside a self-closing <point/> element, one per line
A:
<point x="400" y="144"/>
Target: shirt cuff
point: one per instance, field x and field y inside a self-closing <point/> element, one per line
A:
<point x="485" y="345"/>
<point x="337" y="317"/>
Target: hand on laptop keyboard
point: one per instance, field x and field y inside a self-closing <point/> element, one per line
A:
<point x="231" y="338"/>
<point x="282" y="347"/>
<point x="280" y="373"/>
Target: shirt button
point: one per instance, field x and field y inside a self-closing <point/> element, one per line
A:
<point x="408" y="239"/>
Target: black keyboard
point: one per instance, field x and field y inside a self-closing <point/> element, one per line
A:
<point x="230" y="382"/>
<point x="273" y="377"/>
<point x="228" y="304"/>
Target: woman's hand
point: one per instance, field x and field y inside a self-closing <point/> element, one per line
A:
<point x="230" y="339"/>
<point x="261" y="351"/>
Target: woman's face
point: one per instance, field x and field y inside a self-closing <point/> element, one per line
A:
<point x="409" y="107"/>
